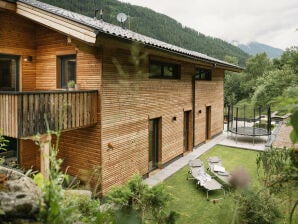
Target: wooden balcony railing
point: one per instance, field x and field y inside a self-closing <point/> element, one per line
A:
<point x="22" y="114"/>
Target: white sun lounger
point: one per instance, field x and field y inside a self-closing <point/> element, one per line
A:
<point x="204" y="180"/>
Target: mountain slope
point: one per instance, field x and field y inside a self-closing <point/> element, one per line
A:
<point x="254" y="48"/>
<point x="156" y="25"/>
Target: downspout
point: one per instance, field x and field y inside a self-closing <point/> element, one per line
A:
<point x="193" y="108"/>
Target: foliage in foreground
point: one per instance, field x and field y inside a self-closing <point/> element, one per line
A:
<point x="55" y="207"/>
<point x="280" y="173"/>
<point x="3" y="142"/>
<point x="136" y="202"/>
<point x="257" y="207"/>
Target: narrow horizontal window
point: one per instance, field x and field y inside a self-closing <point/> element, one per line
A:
<point x="163" y="70"/>
<point x="203" y="74"/>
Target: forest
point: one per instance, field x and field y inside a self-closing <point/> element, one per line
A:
<point x="264" y="81"/>
<point x="150" y="23"/>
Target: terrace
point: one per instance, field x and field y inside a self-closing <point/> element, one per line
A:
<point x="22" y="114"/>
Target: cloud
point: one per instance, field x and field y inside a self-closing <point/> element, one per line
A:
<point x="266" y="21"/>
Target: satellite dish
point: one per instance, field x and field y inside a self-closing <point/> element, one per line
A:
<point x="121" y="17"/>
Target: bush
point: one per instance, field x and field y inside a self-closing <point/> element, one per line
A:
<point x="257" y="207"/>
<point x="137" y="202"/>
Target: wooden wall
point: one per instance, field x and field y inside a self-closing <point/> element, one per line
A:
<point x="119" y="142"/>
<point x="50" y="44"/>
<point x="81" y="148"/>
<point x="29" y="154"/>
<point x="209" y="93"/>
<point x="128" y="103"/>
<point x="18" y="36"/>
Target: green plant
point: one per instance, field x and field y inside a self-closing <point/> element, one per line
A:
<point x="52" y="207"/>
<point x="280" y="172"/>
<point x="257" y="207"/>
<point x="3" y="142"/>
<point x="137" y="201"/>
<point x="71" y="84"/>
<point x="89" y="210"/>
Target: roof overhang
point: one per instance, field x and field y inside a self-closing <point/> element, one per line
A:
<point x="87" y="30"/>
<point x="58" y="23"/>
<point x="7" y="5"/>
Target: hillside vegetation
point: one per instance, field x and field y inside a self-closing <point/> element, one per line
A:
<point x="156" y="25"/>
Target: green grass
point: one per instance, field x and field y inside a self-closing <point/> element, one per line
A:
<point x="191" y="202"/>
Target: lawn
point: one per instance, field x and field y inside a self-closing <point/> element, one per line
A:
<point x="191" y="202"/>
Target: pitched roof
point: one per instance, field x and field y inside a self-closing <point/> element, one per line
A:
<point x="100" y="26"/>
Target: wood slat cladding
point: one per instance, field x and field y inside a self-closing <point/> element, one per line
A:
<point x="50" y="44"/>
<point x="29" y="155"/>
<point x="80" y="148"/>
<point x="127" y="105"/>
<point x="17" y="36"/>
<point x="209" y="93"/>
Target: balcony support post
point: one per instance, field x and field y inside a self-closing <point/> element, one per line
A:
<point x="45" y="141"/>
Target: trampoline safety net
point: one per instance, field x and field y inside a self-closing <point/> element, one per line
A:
<point x="249" y="120"/>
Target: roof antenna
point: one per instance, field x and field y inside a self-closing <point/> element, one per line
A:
<point x="100" y="13"/>
<point x="96" y="12"/>
<point x="121" y="17"/>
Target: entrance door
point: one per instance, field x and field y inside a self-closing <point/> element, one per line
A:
<point x="187" y="130"/>
<point x="154" y="142"/>
<point x="9" y="72"/>
<point x="208" y="122"/>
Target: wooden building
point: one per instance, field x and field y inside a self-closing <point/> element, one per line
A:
<point x="142" y="103"/>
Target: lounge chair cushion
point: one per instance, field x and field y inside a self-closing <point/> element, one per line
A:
<point x="214" y="159"/>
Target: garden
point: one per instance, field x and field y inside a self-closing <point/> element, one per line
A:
<point x="194" y="208"/>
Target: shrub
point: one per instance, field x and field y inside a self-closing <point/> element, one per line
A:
<point x="137" y="202"/>
<point x="257" y="207"/>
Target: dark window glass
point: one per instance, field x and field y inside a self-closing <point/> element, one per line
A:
<point x="163" y="70"/>
<point x="9" y="73"/>
<point x="67" y="69"/>
<point x="203" y="74"/>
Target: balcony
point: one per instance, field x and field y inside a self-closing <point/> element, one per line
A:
<point x="22" y="114"/>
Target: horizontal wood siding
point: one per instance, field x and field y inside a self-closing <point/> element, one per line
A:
<point x="50" y="44"/>
<point x="18" y="36"/>
<point x="29" y="155"/>
<point x="128" y="103"/>
<point x="209" y="93"/>
<point x="80" y="148"/>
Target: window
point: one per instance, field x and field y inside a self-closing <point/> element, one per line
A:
<point x="9" y="72"/>
<point x="163" y="70"/>
<point x="67" y="69"/>
<point x="203" y="74"/>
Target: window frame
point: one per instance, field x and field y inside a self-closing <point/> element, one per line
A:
<point x="208" y="74"/>
<point x="62" y="80"/>
<point x="176" y="72"/>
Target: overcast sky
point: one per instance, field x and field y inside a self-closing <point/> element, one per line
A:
<point x="272" y="22"/>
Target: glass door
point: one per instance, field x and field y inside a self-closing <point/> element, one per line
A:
<point x="208" y="122"/>
<point x="9" y="72"/>
<point x="187" y="134"/>
<point x="154" y="136"/>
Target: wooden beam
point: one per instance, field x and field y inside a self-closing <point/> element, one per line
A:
<point x="7" y="5"/>
<point x="45" y="141"/>
<point x="58" y="23"/>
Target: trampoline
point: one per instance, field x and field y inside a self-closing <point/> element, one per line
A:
<point x="249" y="121"/>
